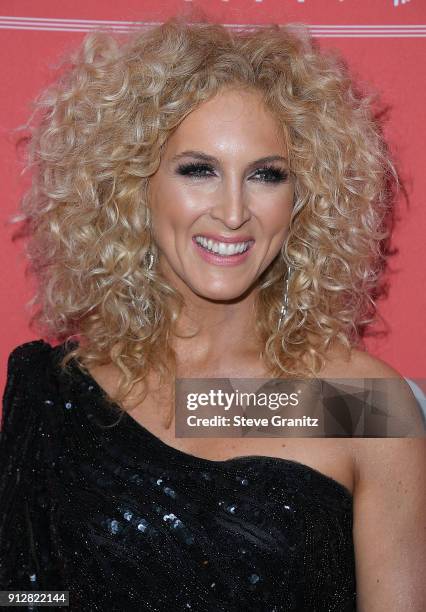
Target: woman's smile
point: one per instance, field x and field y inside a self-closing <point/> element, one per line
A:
<point x="221" y="253"/>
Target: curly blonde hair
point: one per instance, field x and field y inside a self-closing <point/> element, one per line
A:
<point x="104" y="123"/>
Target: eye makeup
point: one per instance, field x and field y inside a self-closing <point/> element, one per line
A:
<point x="194" y="169"/>
<point x="273" y="174"/>
<point x="266" y="174"/>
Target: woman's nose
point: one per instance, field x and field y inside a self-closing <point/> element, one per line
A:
<point x="231" y="206"/>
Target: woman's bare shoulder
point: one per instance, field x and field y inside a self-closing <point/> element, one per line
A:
<point x="393" y="393"/>
<point x="355" y="363"/>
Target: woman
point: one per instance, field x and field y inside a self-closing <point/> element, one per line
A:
<point x="151" y="154"/>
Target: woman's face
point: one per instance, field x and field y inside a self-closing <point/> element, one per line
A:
<point x="213" y="186"/>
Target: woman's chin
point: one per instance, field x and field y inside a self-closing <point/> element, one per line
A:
<point x="224" y="294"/>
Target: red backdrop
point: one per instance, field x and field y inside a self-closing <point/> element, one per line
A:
<point x="384" y="44"/>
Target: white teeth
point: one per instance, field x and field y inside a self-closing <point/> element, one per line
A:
<point x="222" y="248"/>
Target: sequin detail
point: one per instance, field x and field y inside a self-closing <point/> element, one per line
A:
<point x="126" y="522"/>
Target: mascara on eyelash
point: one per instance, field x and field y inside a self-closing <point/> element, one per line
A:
<point x="279" y="175"/>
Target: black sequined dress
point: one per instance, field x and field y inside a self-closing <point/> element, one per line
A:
<point x="125" y="522"/>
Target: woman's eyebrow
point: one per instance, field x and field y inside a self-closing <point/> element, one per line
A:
<point x="212" y="159"/>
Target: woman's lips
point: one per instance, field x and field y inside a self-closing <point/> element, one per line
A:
<point x="222" y="260"/>
<point x="226" y="239"/>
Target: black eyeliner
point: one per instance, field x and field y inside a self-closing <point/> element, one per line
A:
<point x="278" y="174"/>
<point x="185" y="169"/>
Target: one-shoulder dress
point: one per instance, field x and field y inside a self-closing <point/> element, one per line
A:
<point x="125" y="522"/>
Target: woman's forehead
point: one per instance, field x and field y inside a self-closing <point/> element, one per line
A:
<point x="230" y="123"/>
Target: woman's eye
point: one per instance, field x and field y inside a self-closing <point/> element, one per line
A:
<point x="197" y="170"/>
<point x="267" y="174"/>
<point x="270" y="174"/>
